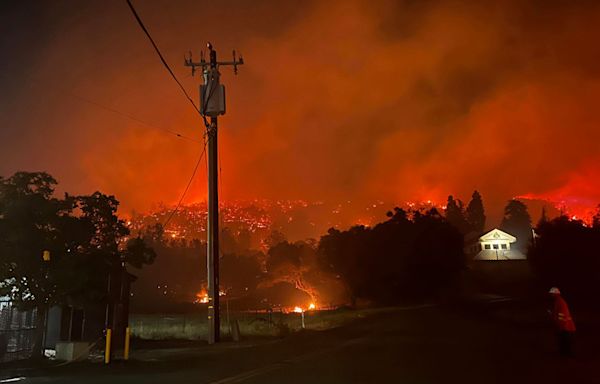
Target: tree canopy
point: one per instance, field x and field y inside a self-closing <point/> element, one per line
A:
<point x="455" y="215"/>
<point x="401" y="258"/>
<point x="517" y="222"/>
<point x="563" y="255"/>
<point x="475" y="214"/>
<point x="82" y="234"/>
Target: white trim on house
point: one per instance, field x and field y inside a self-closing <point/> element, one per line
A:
<point x="496" y="245"/>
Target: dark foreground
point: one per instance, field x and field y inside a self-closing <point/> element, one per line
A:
<point x="493" y="343"/>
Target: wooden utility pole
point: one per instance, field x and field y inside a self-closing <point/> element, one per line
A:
<point x="212" y="104"/>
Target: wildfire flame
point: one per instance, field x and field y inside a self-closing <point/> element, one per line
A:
<point x="202" y="296"/>
<point x="311" y="307"/>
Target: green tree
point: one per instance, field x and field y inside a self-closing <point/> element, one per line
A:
<point x="31" y="222"/>
<point x="83" y="236"/>
<point x="475" y="214"/>
<point x="517" y="222"/>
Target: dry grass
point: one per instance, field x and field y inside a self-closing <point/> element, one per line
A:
<point x="194" y="327"/>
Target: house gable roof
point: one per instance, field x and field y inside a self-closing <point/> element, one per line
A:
<point x="496" y="234"/>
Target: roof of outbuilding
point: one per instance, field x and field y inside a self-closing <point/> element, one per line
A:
<point x="496" y="234"/>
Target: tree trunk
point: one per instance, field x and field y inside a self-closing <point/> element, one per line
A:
<point x="40" y="328"/>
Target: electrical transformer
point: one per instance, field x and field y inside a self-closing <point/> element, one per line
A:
<point x="212" y="94"/>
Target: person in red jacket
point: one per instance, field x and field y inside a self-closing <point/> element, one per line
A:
<point x="564" y="323"/>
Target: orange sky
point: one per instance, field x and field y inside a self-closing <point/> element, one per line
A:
<point x="390" y="100"/>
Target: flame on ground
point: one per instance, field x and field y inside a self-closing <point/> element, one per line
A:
<point x="298" y="309"/>
<point x="201" y="297"/>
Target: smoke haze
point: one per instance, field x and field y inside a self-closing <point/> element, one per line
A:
<point x="389" y="100"/>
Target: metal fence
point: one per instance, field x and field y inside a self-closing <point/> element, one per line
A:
<point x="17" y="332"/>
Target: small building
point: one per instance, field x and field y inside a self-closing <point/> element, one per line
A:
<point x="494" y="245"/>
<point x="67" y="324"/>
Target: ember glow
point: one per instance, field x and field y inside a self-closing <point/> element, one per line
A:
<point x="422" y="100"/>
<point x="301" y="309"/>
<point x="201" y="297"/>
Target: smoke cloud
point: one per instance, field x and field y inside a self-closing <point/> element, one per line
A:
<point x="392" y="100"/>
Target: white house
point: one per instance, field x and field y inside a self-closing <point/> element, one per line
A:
<point x="495" y="245"/>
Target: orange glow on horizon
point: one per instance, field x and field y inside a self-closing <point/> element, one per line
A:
<point x="516" y="119"/>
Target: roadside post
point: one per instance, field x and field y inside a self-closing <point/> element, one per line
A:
<point x="126" y="348"/>
<point x="107" y="346"/>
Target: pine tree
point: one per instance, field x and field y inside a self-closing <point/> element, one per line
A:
<point x="543" y="218"/>
<point x="475" y="213"/>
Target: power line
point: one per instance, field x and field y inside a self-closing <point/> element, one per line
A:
<point x="186" y="188"/>
<point x="133" y="118"/>
<point x="60" y="90"/>
<point x="162" y="59"/>
<point x="166" y="65"/>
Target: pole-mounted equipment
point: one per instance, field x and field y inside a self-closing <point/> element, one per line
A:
<point x="212" y="104"/>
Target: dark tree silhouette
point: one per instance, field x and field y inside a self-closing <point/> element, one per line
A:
<point x="517" y="222"/>
<point x="456" y="216"/>
<point x="596" y="218"/>
<point x="543" y="218"/>
<point x="401" y="258"/>
<point x="475" y="213"/>
<point x="564" y="255"/>
<point x="274" y="238"/>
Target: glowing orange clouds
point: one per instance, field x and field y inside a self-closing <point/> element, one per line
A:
<point x="407" y="101"/>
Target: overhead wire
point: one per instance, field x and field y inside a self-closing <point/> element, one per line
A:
<point x="162" y="59"/>
<point x="133" y="118"/>
<point x="172" y="214"/>
<point x="60" y="90"/>
<point x="206" y="124"/>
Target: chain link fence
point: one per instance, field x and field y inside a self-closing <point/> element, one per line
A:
<point x="17" y="332"/>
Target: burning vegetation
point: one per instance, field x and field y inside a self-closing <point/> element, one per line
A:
<point x="310" y="275"/>
<point x="416" y="253"/>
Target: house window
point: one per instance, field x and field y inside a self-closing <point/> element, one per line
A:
<point x="487" y="246"/>
<point x="495" y="246"/>
<point x="504" y="246"/>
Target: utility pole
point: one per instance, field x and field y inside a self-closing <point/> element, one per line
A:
<point x="212" y="104"/>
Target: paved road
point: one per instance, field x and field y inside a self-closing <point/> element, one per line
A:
<point x="423" y="345"/>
